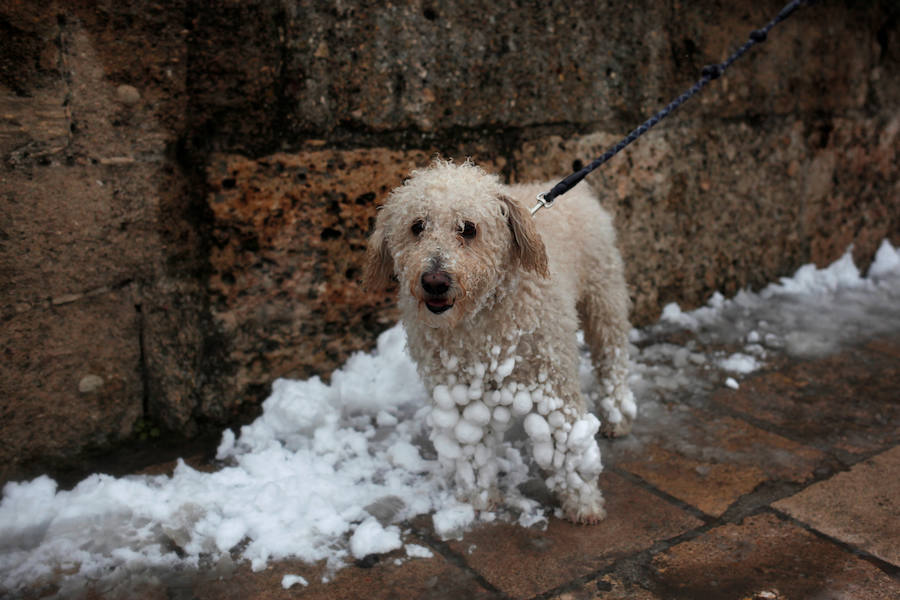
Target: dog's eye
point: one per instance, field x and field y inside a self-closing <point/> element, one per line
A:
<point x="467" y="230"/>
<point x="417" y="227"/>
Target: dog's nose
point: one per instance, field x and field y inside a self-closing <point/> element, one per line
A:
<point x="436" y="282"/>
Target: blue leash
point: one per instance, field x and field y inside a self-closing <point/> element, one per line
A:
<point x="709" y="73"/>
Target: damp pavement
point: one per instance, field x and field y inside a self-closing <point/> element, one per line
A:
<point x="786" y="487"/>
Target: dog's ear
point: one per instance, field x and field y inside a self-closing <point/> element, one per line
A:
<point x="379" y="264"/>
<point x="528" y="247"/>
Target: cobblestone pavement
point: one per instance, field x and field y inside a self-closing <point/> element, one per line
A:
<point x="787" y="487"/>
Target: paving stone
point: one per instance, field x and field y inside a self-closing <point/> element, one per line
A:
<point x="847" y="401"/>
<point x="524" y="562"/>
<point x="887" y="346"/>
<point x="764" y="557"/>
<point x="706" y="460"/>
<point x="860" y="507"/>
<point x="393" y="576"/>
<point x="608" y="587"/>
<point x="426" y="578"/>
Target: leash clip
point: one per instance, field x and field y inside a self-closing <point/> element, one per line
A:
<point x="542" y="203"/>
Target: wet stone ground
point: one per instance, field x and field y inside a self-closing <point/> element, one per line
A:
<point x="786" y="487"/>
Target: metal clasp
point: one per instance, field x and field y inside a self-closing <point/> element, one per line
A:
<point x="542" y="203"/>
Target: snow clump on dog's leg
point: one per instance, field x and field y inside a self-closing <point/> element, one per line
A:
<point x="617" y="404"/>
<point x="563" y="445"/>
<point x="465" y="446"/>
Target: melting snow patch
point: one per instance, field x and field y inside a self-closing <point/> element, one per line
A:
<point x="887" y="262"/>
<point x="417" y="551"/>
<point x="452" y="521"/>
<point x="289" y="581"/>
<point x="739" y="363"/>
<point x="371" y="538"/>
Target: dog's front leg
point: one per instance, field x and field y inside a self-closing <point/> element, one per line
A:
<point x="465" y="445"/>
<point x="564" y="447"/>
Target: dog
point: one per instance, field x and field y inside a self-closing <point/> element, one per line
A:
<point x="491" y="298"/>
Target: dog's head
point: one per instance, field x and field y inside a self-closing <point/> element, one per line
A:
<point x="450" y="236"/>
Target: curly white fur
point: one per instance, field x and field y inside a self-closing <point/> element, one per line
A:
<point x="491" y="299"/>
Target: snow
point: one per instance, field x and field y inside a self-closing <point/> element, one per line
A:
<point x="477" y="413"/>
<point x="442" y="398"/>
<point x="521" y="403"/>
<point x="417" y="551"/>
<point x="537" y="428"/>
<point x="501" y="416"/>
<point x="467" y="432"/>
<point x="505" y="368"/>
<point x="886" y="263"/>
<point x="460" y="394"/>
<point x="444" y="418"/>
<point x="739" y="363"/>
<point x="371" y="538"/>
<point x="452" y="520"/>
<point x="330" y="472"/>
<point x="289" y="581"/>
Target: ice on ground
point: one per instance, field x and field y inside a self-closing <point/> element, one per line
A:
<point x="452" y="520"/>
<point x="329" y="472"/>
<point x="371" y="538"/>
<point x="739" y="363"/>
<point x="289" y="581"/>
<point x="417" y="551"/>
<point x="813" y="313"/>
<point x="886" y="264"/>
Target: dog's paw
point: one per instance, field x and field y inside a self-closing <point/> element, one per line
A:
<point x="617" y="411"/>
<point x="584" y="507"/>
<point x="615" y="430"/>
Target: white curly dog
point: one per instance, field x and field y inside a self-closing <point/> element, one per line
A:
<point x="491" y="299"/>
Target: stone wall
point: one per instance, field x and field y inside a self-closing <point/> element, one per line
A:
<point x="187" y="186"/>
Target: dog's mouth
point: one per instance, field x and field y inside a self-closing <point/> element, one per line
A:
<point x="438" y="304"/>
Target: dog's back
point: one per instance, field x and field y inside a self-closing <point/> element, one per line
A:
<point x="585" y="264"/>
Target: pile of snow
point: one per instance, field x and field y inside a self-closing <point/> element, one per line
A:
<point x="813" y="313"/>
<point x="331" y="472"/>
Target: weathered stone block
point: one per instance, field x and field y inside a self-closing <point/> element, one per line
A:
<point x="852" y="187"/>
<point x="264" y="69"/>
<point x="33" y="126"/>
<point x="70" y="377"/>
<point x="821" y="59"/>
<point x="72" y="229"/>
<point x="183" y="359"/>
<point x="468" y="64"/>
<point x="289" y="235"/>
<point x="94" y="210"/>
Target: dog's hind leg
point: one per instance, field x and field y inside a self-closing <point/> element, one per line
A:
<point x="603" y="309"/>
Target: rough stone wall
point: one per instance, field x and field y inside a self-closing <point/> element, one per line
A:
<point x="101" y="261"/>
<point x="186" y="186"/>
